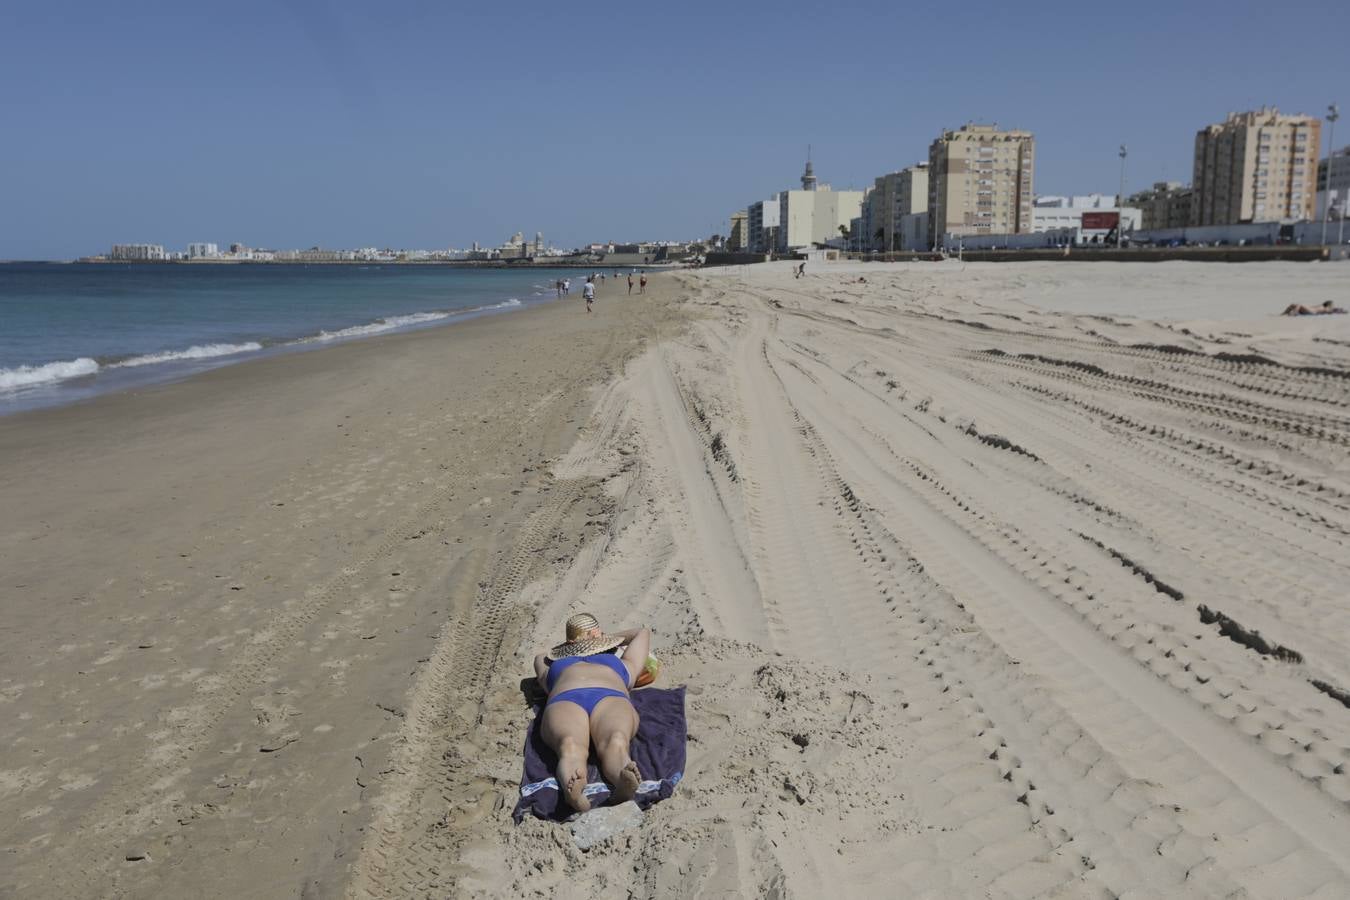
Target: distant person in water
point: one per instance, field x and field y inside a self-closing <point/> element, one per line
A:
<point x="642" y="283"/>
<point x="567" y="286"/>
<point x="1326" y="309"/>
<point x="588" y="292"/>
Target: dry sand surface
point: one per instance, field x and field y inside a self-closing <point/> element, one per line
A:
<point x="1002" y="580"/>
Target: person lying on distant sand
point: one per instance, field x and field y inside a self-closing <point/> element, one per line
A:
<point x="1326" y="309"/>
<point x="588" y="699"/>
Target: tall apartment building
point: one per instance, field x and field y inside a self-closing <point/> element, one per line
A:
<point x="980" y="182"/>
<point x="892" y="197"/>
<point x="762" y="225"/>
<point x="1256" y="166"/>
<point x="738" y="235"/>
<point x="1168" y="204"/>
<point x="1335" y="168"/>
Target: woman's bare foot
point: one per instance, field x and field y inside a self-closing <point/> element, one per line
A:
<point x="575" y="791"/>
<point x="627" y="786"/>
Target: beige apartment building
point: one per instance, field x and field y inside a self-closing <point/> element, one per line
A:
<point x="1256" y="166"/>
<point x="1168" y="204"/>
<point x="892" y="197"/>
<point x="980" y="182"/>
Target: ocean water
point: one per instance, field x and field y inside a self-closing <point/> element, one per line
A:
<point x="70" y="331"/>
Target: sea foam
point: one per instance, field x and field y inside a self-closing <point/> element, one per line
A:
<point x="201" y="351"/>
<point x="22" y="377"/>
<point x="30" y="376"/>
<point x="382" y="325"/>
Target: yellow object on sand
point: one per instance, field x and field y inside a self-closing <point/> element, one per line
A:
<point x="649" y="671"/>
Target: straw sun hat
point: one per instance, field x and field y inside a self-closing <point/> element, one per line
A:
<point x="578" y="643"/>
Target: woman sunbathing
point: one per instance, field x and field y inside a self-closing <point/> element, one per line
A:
<point x="588" y="703"/>
<point x="1298" y="309"/>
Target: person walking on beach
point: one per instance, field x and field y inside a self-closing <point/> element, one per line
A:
<point x="642" y="284"/>
<point x="567" y="286"/>
<point x="558" y="285"/>
<point x="588" y="292"/>
<point x="630" y="283"/>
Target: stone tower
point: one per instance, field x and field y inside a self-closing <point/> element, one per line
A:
<point x="809" y="176"/>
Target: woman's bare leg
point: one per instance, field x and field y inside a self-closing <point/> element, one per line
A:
<point x="613" y="724"/>
<point x="567" y="730"/>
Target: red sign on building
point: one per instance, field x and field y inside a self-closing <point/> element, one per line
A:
<point x="1100" y="221"/>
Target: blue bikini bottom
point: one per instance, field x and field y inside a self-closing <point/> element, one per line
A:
<point x="586" y="698"/>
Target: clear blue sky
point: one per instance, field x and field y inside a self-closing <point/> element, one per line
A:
<point x="306" y="122"/>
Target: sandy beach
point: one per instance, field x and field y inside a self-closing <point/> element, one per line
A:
<point x="1005" y="580"/>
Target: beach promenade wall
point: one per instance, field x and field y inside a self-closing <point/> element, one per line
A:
<point x="1306" y="233"/>
<point x="1286" y="252"/>
<point x="735" y="259"/>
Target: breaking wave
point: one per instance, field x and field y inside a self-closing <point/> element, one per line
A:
<point x="382" y="325"/>
<point x="29" y="376"/>
<point x="202" y="351"/>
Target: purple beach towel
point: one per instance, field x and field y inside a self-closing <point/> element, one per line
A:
<point x="658" y="749"/>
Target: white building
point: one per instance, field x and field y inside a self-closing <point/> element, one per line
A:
<point x="203" y="251"/>
<point x="910" y="232"/>
<point x="914" y="231"/>
<point x="1338" y="167"/>
<point x="1053" y="213"/>
<point x="1077" y="201"/>
<point x="762" y="228"/>
<point x="138" y="252"/>
<point x="815" y="214"/>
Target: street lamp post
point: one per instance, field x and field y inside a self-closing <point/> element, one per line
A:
<point x="1333" y="113"/>
<point x="1120" y="203"/>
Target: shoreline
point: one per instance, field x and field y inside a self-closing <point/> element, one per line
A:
<point x="219" y="588"/>
<point x="526" y="263"/>
<point x="104" y="376"/>
<point x="80" y="376"/>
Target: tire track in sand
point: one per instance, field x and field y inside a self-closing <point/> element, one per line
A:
<point x="1157" y="733"/>
<point x="837" y="590"/>
<point x="415" y="833"/>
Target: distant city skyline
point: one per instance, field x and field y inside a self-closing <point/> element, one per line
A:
<point x="308" y="123"/>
